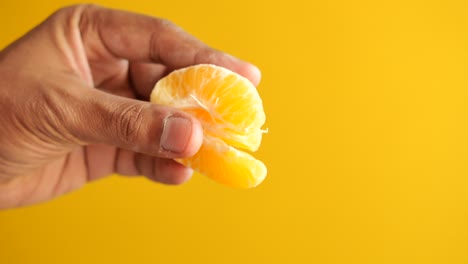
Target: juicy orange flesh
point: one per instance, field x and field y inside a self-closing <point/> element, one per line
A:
<point x="227" y="165"/>
<point x="225" y="101"/>
<point x="231" y="113"/>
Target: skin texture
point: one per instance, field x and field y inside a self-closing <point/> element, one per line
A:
<point x="73" y="99"/>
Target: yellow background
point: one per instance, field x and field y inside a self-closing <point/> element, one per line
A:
<point x="367" y="107"/>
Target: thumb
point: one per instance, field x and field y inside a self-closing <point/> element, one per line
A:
<point x="135" y="125"/>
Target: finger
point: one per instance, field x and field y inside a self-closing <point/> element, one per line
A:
<point x="98" y="117"/>
<point x="129" y="163"/>
<point x="142" y="38"/>
<point x="162" y="170"/>
<point x="144" y="77"/>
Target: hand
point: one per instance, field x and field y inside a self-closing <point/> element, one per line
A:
<point x="73" y="102"/>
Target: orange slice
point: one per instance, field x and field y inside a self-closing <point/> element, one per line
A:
<point x="231" y="113"/>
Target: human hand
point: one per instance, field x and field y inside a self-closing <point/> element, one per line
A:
<point x="73" y="102"/>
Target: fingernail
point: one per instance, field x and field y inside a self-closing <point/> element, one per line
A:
<point x="256" y="74"/>
<point x="176" y="134"/>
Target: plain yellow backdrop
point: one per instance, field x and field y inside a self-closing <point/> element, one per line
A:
<point x="367" y="151"/>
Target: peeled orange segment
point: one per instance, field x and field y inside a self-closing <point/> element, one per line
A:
<point x="227" y="103"/>
<point x="227" y="165"/>
<point x="231" y="113"/>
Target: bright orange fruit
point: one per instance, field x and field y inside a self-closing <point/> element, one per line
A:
<point x="231" y="112"/>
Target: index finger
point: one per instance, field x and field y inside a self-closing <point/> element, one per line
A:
<point x="137" y="37"/>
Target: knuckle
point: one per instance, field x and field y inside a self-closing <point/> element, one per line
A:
<point x="86" y="9"/>
<point x="207" y="55"/>
<point x="163" y="29"/>
<point x="165" y="23"/>
<point x="76" y="7"/>
<point x="71" y="9"/>
<point x="129" y="122"/>
<point x="71" y="14"/>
